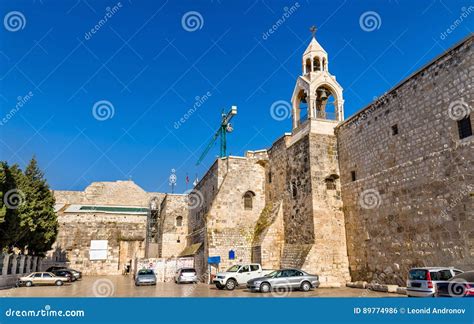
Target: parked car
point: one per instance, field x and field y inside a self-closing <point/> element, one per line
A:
<point x="239" y="274"/>
<point x="77" y="274"/>
<point x="42" y="278"/>
<point x="65" y="273"/>
<point x="461" y="285"/>
<point x="145" y="277"/>
<point x="285" y="278"/>
<point x="185" y="275"/>
<point x="422" y="281"/>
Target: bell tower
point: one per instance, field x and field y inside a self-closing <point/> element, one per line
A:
<point x="317" y="98"/>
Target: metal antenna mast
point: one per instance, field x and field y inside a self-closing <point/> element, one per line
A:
<point x="224" y="128"/>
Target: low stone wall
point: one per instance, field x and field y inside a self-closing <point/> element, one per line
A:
<point x="14" y="265"/>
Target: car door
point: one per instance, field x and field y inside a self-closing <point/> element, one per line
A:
<point x="47" y="278"/>
<point x="295" y="277"/>
<point x="255" y="271"/>
<point x="37" y="278"/>
<point x="281" y="279"/>
<point x="243" y="275"/>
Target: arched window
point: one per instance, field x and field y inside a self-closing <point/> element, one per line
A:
<point x="316" y="64"/>
<point x="179" y="221"/>
<point x="308" y="66"/>
<point x="248" y="200"/>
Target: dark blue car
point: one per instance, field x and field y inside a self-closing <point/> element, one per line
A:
<point x="461" y="285"/>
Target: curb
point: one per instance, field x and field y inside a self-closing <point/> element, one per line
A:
<point x="393" y="289"/>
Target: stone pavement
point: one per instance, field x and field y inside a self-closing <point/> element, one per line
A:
<point x="122" y="286"/>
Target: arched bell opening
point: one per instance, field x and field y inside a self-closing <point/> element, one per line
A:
<point x="316" y="64"/>
<point x="307" y="66"/>
<point x="302" y="106"/>
<point x="326" y="103"/>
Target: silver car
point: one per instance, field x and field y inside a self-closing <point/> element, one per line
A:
<point x="185" y="275"/>
<point x="284" y="279"/>
<point x="422" y="281"/>
<point x="145" y="277"/>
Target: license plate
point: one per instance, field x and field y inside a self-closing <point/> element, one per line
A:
<point x="416" y="284"/>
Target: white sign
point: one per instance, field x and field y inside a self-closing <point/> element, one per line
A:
<point x="98" y="250"/>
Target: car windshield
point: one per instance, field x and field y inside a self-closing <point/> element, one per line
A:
<point x="272" y="274"/>
<point x="234" y="268"/>
<point x="145" y="272"/>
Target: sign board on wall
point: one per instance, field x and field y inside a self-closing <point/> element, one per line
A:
<point x="98" y="250"/>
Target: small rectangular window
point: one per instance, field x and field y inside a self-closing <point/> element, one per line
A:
<point x="353" y="175"/>
<point x="394" y="130"/>
<point x="330" y="184"/>
<point x="270" y="177"/>
<point x="464" y="127"/>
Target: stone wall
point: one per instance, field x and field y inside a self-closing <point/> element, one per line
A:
<point x="313" y="235"/>
<point x="173" y="235"/>
<point x="125" y="235"/>
<point x="411" y="203"/>
<point x="118" y="193"/>
<point x="125" y="232"/>
<point x="220" y="220"/>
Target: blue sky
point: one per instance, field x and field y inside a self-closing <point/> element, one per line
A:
<point x="151" y="68"/>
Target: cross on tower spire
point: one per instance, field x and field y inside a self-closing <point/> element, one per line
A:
<point x="313" y="30"/>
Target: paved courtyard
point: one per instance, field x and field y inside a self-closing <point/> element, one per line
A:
<point x="121" y="286"/>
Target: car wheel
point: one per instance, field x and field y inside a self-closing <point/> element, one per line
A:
<point x="305" y="286"/>
<point x="59" y="283"/>
<point x="265" y="287"/>
<point x="28" y="284"/>
<point x="230" y="284"/>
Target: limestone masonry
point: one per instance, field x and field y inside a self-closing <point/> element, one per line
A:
<point x="367" y="198"/>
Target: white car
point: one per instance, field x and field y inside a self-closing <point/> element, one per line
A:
<point x="422" y="282"/>
<point x="239" y="274"/>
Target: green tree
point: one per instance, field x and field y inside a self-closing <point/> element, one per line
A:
<point x="10" y="199"/>
<point x="38" y="220"/>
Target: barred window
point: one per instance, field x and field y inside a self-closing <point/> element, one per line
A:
<point x="248" y="200"/>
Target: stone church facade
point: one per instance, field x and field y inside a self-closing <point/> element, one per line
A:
<point x="364" y="198"/>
